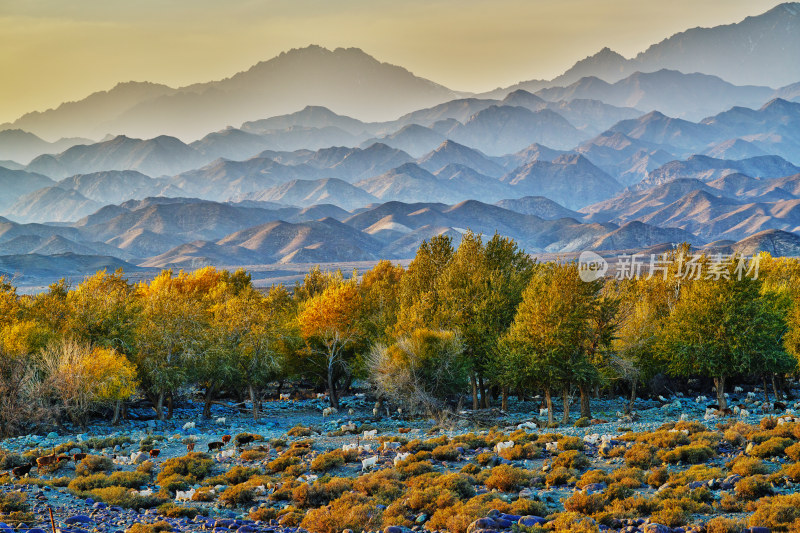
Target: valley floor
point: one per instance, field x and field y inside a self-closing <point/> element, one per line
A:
<point x="669" y="467"/>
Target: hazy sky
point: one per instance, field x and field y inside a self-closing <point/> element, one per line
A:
<point x="55" y="50"/>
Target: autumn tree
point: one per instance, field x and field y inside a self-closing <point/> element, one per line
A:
<point x="424" y="369"/>
<point x="170" y="333"/>
<point x="254" y="333"/>
<point x="720" y="328"/>
<point x="329" y="324"/>
<point x="380" y="297"/>
<point x="554" y="330"/>
<point x="83" y="377"/>
<point x="103" y="311"/>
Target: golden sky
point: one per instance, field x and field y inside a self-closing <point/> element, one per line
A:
<point x="53" y="51"/>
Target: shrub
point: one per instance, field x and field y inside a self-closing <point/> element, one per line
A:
<point x="92" y="464"/>
<point x="753" y="487"/>
<point x="691" y="454"/>
<point x="446" y="452"/>
<point x="11" y="502"/>
<point x="471" y="468"/>
<point x="524" y="506"/>
<point x="252" y="455"/>
<point x="130" y="480"/>
<point x="320" y="493"/>
<point x="408" y="469"/>
<point x="572" y="459"/>
<point x="592" y="476"/>
<point x="720" y="524"/>
<point x="11" y="460"/>
<point x="238" y="495"/>
<point x="194" y="465"/>
<point x="771" y="448"/>
<point x="506" y="478"/>
<point x="300" y="431"/>
<point x="457" y="517"/>
<point x="421" y="370"/>
<point x="588" y="504"/>
<point x="792" y="472"/>
<point x="640" y="455"/>
<point x="171" y="510"/>
<point x="734" y="437"/>
<point x="281" y="463"/>
<point x="126" y="498"/>
<point x="748" y="466"/>
<point x="730" y="504"/>
<point x="777" y="513"/>
<point x="571" y="522"/>
<point x="570" y="443"/>
<point x="351" y="511"/>
<point x="560" y="476"/>
<point x="234" y="476"/>
<point x="204" y="494"/>
<point x="157" y="527"/>
<point x="521" y="451"/>
<point x="671" y="516"/>
<point x="327" y="461"/>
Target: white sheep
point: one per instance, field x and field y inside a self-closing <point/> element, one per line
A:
<point x="188" y="425"/>
<point x="738" y="389"/>
<point x="371" y="434"/>
<point x="221" y="420"/>
<point x="543" y="411"/>
<point x="390" y="445"/>
<point x="328" y="411"/>
<point x="551" y="446"/>
<point x="744" y="413"/>
<point x="369" y="462"/>
<point x="402" y="456"/>
<point x="186" y="495"/>
<point x="500" y="446"/>
<point x="348" y="447"/>
<point x="285" y="396"/>
<point x="347" y="428"/>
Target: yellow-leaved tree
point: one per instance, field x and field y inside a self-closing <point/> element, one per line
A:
<point x="82" y="377"/>
<point x="329" y="323"/>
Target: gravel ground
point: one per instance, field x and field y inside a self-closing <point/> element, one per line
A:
<point x="81" y="516"/>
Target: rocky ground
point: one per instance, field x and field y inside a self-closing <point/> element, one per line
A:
<point x="320" y="475"/>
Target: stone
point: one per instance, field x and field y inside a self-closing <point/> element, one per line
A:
<point x="138" y="458"/>
<point x="656" y="528"/>
<point x="78" y="519"/>
<point x="392" y="529"/>
<point x="531" y="520"/>
<point x="480" y="523"/>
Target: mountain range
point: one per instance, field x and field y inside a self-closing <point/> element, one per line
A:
<point x="331" y="156"/>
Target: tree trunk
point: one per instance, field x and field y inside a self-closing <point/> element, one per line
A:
<point x="482" y="387"/>
<point x="209" y="397"/>
<point x="632" y="399"/>
<point x="254" y="400"/>
<point x="474" y="384"/>
<point x="332" y="389"/>
<point x="719" y="382"/>
<point x="586" y="406"/>
<point x="775" y="391"/>
<point x="170" y="405"/>
<point x="117" y="409"/>
<point x="548" y="400"/>
<point x="159" y="406"/>
<point x="504" y="403"/>
<point x="565" y="400"/>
